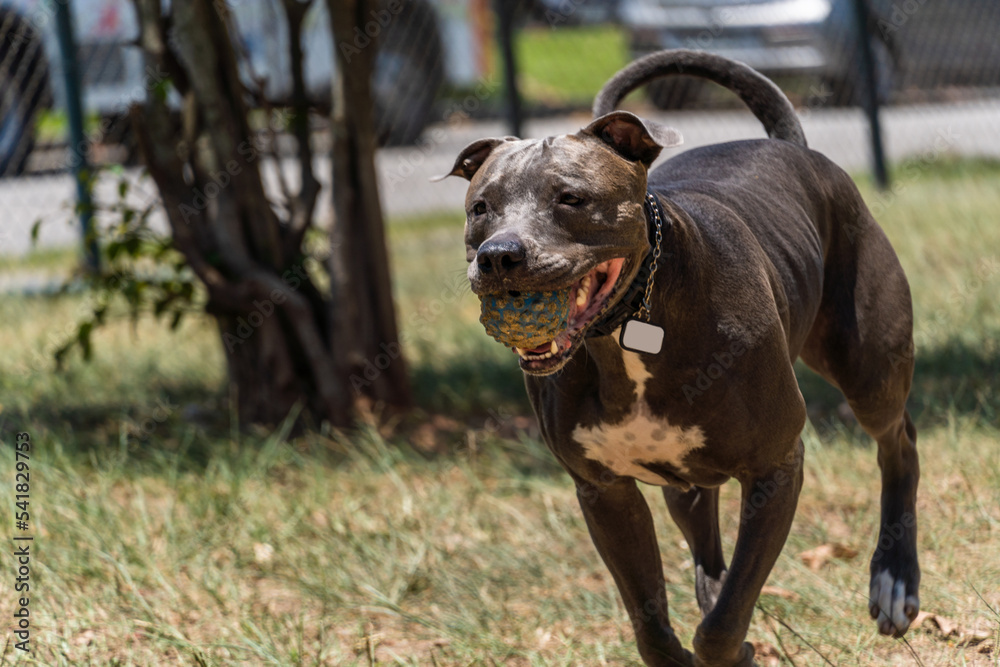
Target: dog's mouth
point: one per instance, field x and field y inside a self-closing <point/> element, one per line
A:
<point x="590" y="298"/>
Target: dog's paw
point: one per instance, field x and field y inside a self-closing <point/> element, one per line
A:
<point x="745" y="659"/>
<point x="893" y="603"/>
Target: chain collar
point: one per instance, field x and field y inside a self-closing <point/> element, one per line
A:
<point x="654" y="207"/>
<point x="636" y="299"/>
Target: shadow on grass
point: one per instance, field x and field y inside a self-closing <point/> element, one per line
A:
<point x="957" y="378"/>
<point x="164" y="416"/>
<point x="953" y="379"/>
<point x="469" y="388"/>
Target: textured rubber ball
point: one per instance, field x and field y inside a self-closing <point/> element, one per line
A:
<point x="525" y="319"/>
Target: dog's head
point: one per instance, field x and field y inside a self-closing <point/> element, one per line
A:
<point x="561" y="213"/>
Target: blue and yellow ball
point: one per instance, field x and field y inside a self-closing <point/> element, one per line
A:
<point x="525" y="319"/>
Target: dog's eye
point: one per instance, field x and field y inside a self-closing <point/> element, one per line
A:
<point x="570" y="199"/>
<point x="479" y="208"/>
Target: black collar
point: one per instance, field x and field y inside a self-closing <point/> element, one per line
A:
<point x="631" y="300"/>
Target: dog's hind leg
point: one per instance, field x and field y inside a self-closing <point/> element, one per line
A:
<point x="696" y="513"/>
<point x="895" y="574"/>
<point x="862" y="342"/>
<point x="622" y="529"/>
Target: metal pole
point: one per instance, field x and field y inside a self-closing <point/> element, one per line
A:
<point x="505" y="12"/>
<point x="77" y="140"/>
<point x="869" y="80"/>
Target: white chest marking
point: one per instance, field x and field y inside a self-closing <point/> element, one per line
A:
<point x="640" y="437"/>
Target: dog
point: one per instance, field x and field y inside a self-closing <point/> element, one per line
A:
<point x="694" y="289"/>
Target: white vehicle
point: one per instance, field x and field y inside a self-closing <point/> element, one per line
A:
<point x="422" y="44"/>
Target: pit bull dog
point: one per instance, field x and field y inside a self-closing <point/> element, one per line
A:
<point x="694" y="288"/>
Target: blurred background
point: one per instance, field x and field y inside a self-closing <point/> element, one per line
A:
<point x="440" y="81"/>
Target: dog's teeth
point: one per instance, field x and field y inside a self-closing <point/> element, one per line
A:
<point x="527" y="355"/>
<point x="586" y="282"/>
<point x="581" y="298"/>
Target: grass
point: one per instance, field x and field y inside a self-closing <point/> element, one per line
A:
<point x="164" y="535"/>
<point x="567" y="66"/>
<point x="40" y="259"/>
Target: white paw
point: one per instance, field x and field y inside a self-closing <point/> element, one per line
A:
<point x="890" y="606"/>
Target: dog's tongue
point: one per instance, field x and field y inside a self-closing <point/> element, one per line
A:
<point x="592" y="288"/>
<point x="542" y="349"/>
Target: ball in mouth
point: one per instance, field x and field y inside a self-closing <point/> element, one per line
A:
<point x="545" y="338"/>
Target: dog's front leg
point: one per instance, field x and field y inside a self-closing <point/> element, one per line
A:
<point x="768" y="507"/>
<point x="696" y="513"/>
<point x="622" y="529"/>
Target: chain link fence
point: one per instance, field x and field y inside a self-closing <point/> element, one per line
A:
<point x="39" y="161"/>
<point x="439" y="83"/>
<point x="936" y="67"/>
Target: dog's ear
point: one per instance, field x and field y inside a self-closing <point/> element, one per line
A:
<point x="472" y="158"/>
<point x="632" y="137"/>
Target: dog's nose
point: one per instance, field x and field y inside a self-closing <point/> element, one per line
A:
<point x="500" y="255"/>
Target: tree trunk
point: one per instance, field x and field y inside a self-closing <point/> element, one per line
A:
<point x="364" y="322"/>
<point x="278" y="331"/>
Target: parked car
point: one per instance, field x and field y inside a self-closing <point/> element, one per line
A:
<point x="918" y="44"/>
<point x="555" y="13"/>
<point x="24" y="88"/>
<point x="425" y="44"/>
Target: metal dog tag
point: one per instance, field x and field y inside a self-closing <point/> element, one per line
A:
<point x="639" y="336"/>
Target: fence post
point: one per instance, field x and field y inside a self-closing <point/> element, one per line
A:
<point x="77" y="140"/>
<point x="863" y="17"/>
<point x="505" y="12"/>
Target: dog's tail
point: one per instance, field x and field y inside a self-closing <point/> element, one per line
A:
<point x="764" y="99"/>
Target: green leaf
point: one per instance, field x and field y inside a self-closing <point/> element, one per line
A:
<point x="161" y="88"/>
<point x="161" y="305"/>
<point x="34" y="231"/>
<point x="60" y="355"/>
<point x="133" y="245"/>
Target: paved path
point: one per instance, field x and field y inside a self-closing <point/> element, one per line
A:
<point x="971" y="128"/>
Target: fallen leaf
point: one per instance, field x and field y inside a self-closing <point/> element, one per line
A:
<point x="765" y="654"/>
<point x="919" y="620"/>
<point x="973" y="637"/>
<point x="85" y="638"/>
<point x="425" y="438"/>
<point x="262" y="552"/>
<point x="779" y="593"/>
<point x="821" y="555"/>
<point x="443" y="423"/>
<point x="543" y="637"/>
<point x="945" y="628"/>
<point x="935" y="624"/>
